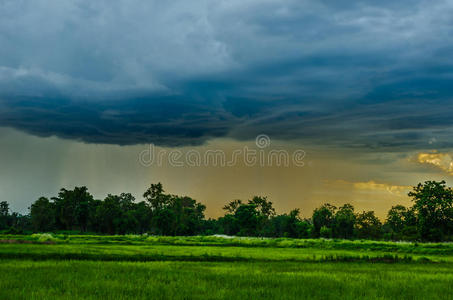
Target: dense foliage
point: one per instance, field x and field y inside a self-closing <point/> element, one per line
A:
<point x="429" y="219"/>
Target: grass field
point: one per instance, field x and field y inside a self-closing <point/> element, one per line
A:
<point x="115" y="267"/>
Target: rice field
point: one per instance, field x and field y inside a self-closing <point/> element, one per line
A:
<point x="125" y="267"/>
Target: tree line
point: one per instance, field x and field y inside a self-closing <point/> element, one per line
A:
<point x="430" y="218"/>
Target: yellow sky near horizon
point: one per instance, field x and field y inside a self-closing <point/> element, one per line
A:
<point x="34" y="166"/>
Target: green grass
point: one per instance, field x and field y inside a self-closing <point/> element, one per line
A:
<point x="196" y="253"/>
<point x="215" y="280"/>
<point x="113" y="267"/>
<point x="362" y="245"/>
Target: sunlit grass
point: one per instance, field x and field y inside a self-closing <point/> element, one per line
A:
<point x="214" y="280"/>
<point x="123" y="267"/>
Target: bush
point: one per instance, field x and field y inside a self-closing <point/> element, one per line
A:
<point x="325" y="232"/>
<point x="44" y="237"/>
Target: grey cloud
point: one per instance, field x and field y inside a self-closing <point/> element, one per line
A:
<point x="360" y="74"/>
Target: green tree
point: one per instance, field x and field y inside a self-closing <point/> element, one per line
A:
<point x="188" y="215"/>
<point x="4" y="214"/>
<point x="142" y="215"/>
<point x="433" y="203"/>
<point x="42" y="215"/>
<point x="114" y="214"/>
<point x="232" y="206"/>
<point x="323" y="216"/>
<point x="228" y="225"/>
<point x="368" y="226"/>
<point x="248" y="219"/>
<point x="156" y="197"/>
<point x="402" y="223"/>
<point x="344" y="222"/>
<point x="396" y="218"/>
<point x="265" y="211"/>
<point x="173" y="215"/>
<point x="288" y="225"/>
<point x="74" y="208"/>
<point x="18" y="223"/>
<point x="263" y="206"/>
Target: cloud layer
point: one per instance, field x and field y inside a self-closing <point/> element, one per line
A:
<point x="353" y="75"/>
<point x="442" y="161"/>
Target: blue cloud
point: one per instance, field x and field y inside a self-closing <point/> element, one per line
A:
<point x="349" y="74"/>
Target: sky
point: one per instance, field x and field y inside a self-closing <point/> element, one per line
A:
<point x="364" y="89"/>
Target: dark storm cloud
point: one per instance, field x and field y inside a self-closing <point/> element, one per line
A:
<point x="167" y="120"/>
<point x="347" y="74"/>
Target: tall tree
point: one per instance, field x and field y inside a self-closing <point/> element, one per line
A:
<point x="248" y="219"/>
<point x="433" y="203"/>
<point x="368" y="226"/>
<point x="344" y="222"/>
<point x="155" y="196"/>
<point x="401" y="223"/>
<point x="288" y="225"/>
<point x="232" y="206"/>
<point x="74" y="208"/>
<point x="173" y="215"/>
<point x="42" y="214"/>
<point x="263" y="205"/>
<point x="4" y="213"/>
<point x="323" y="217"/>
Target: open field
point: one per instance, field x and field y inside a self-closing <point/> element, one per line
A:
<point x="58" y="266"/>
